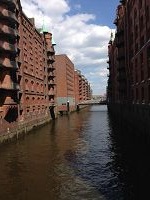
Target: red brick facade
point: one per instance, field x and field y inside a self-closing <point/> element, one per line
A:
<point x="27" y="79"/>
<point x="9" y="52"/>
<point x="83" y="88"/>
<point x="65" y="83"/>
<point x="28" y="84"/>
<point x="32" y="92"/>
<point x="129" y="54"/>
<point x="72" y="87"/>
<point x="77" y="94"/>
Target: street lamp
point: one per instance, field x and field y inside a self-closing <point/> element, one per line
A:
<point x="68" y="107"/>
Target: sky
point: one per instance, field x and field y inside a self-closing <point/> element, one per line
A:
<point x="81" y="29"/>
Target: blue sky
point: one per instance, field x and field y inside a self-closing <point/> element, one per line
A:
<point x="81" y="30"/>
<point x="103" y="9"/>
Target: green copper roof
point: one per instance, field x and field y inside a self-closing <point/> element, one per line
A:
<point x="43" y="29"/>
<point x="53" y="42"/>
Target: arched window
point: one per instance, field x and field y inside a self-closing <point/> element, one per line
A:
<point x="26" y="84"/>
<point x="32" y="85"/>
<point x="135" y="13"/>
<point x="38" y="100"/>
<point x="37" y="87"/>
<point x="41" y="87"/>
<point x="136" y="31"/>
<point x="140" y="3"/>
<point x="141" y="22"/>
<point x="149" y="93"/>
<point x="142" y="94"/>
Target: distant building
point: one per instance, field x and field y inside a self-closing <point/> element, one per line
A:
<point x="84" y="88"/>
<point x="77" y="86"/>
<point x="72" y="87"/>
<point x="65" y="94"/>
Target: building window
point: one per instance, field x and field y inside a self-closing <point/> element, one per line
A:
<point x="147" y="13"/>
<point x="37" y="87"/>
<point x="148" y="72"/>
<point x="131" y="70"/>
<point x="136" y="77"/>
<point x="140" y="3"/>
<point x="141" y="65"/>
<point x="26" y="84"/>
<point x="136" y="47"/>
<point x="42" y="90"/>
<point x="136" y="32"/>
<point x="38" y="100"/>
<point x="134" y="93"/>
<point x="137" y="94"/>
<point x="141" y="59"/>
<point x="148" y="61"/>
<point x="135" y="13"/>
<point x="131" y="38"/>
<point x="27" y="99"/>
<point x="149" y="93"/>
<point x="148" y="57"/>
<point x="142" y="75"/>
<point x="32" y="86"/>
<point x="141" y="22"/>
<point x="142" y="94"/>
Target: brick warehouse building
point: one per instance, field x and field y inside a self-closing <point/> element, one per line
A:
<point x="72" y="86"/>
<point x="129" y="60"/>
<point x="9" y="65"/>
<point x="28" y="76"/>
<point x="83" y="90"/>
<point x="27" y="79"/>
<point x="37" y="83"/>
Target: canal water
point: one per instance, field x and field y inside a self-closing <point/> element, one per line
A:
<point x="84" y="156"/>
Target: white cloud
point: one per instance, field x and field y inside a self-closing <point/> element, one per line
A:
<point x="84" y="42"/>
<point x="53" y="11"/>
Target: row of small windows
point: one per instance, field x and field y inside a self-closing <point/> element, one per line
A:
<point x="138" y="70"/>
<point x="142" y="94"/>
<point x="28" y="37"/>
<point x="38" y="37"/>
<point x="29" y="49"/>
<point x="140" y="59"/>
<point x="140" y="5"/>
<point x="33" y="86"/>
<point x="34" y="99"/>
<point x="33" y="112"/>
<point x="39" y="65"/>
<point x="138" y="21"/>
<point x="137" y="45"/>
<point x="32" y="82"/>
<point x="27" y="29"/>
<point x="136" y="30"/>
<point x="37" y="74"/>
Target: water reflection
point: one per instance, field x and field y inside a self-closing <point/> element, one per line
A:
<point x="130" y="160"/>
<point x="84" y="156"/>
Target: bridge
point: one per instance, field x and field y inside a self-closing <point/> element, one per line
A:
<point x="93" y="102"/>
